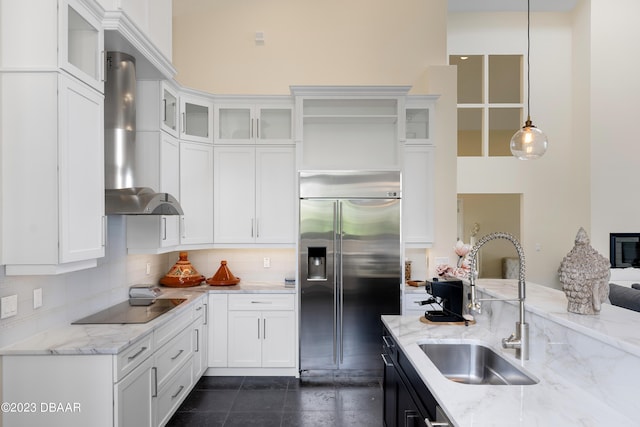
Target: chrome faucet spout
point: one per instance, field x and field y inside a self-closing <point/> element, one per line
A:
<point x="520" y="339"/>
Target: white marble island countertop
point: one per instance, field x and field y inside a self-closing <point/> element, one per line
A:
<point x="555" y="400"/>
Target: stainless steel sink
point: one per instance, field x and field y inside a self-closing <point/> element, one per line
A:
<point x="474" y="363"/>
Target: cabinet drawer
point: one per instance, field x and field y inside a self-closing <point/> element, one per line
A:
<point x="134" y="355"/>
<point x="165" y="332"/>
<point x="173" y="393"/>
<point x="170" y="357"/>
<point x="261" y="302"/>
<point x="200" y="309"/>
<point x="411" y="301"/>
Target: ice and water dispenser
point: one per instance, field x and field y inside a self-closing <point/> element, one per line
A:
<point x="317" y="263"/>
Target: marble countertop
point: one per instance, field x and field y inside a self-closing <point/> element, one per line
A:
<point x="553" y="401"/>
<point x="113" y="338"/>
<point x="249" y="287"/>
<point x="614" y="325"/>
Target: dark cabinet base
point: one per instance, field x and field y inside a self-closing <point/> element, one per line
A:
<point x="407" y="400"/>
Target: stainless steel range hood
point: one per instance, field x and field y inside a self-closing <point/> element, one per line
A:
<point x="122" y="197"/>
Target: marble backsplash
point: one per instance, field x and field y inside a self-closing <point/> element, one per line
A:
<point x="586" y="358"/>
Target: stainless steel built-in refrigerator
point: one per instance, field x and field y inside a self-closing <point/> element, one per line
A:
<point x="350" y="267"/>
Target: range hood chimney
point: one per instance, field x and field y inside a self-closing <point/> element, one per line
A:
<point x="122" y="197"/>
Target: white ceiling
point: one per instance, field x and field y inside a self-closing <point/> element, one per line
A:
<point x="510" y="5"/>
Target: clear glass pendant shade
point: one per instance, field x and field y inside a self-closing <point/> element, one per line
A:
<point x="529" y="142"/>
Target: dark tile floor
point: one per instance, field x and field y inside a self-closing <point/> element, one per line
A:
<point x="282" y="401"/>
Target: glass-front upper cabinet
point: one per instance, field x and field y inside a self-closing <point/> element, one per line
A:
<point x="196" y="119"/>
<point x="270" y="121"/>
<point x="419" y="112"/>
<point x="169" y="112"/>
<point x="81" y="43"/>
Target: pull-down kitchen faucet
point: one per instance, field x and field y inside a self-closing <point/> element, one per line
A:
<point x="520" y="339"/>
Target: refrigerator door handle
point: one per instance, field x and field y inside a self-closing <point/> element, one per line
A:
<point x="339" y="279"/>
<point x="336" y="287"/>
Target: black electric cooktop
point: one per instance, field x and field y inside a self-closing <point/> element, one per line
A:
<point x="125" y="313"/>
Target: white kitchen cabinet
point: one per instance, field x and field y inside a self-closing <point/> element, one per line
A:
<point x="62" y="35"/>
<point x="81" y="44"/>
<point x="261" y="331"/>
<point x="134" y="397"/>
<point x="252" y="334"/>
<point x="196" y="118"/>
<point x="151" y="17"/>
<point x="196" y="193"/>
<point x="245" y="339"/>
<point x="157" y="167"/>
<point x="169" y="109"/>
<point x="419" y="114"/>
<point x="60" y="164"/>
<point x="142" y="385"/>
<point x="269" y="121"/>
<point x="336" y="125"/>
<point x="201" y="331"/>
<point x="218" y="332"/>
<point x="254" y="192"/>
<point x="418" y="195"/>
<point x="410" y="303"/>
<point x="158" y="106"/>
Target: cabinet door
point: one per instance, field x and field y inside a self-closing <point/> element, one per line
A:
<point x="275" y="194"/>
<point x="278" y="339"/>
<point x="169" y="165"/>
<point x="390" y="391"/>
<point x="196" y="192"/>
<point x="418" y="194"/>
<point x="234" y="194"/>
<point x="273" y="124"/>
<point x="81" y="169"/>
<point x="200" y="340"/>
<point x="217" y="336"/>
<point x="234" y="124"/>
<point x="408" y="414"/>
<point x="196" y="119"/>
<point x="245" y="339"/>
<point x="169" y="110"/>
<point x="134" y="395"/>
<point x="81" y="43"/>
<point x="419" y="119"/>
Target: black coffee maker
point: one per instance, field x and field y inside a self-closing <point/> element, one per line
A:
<point x="447" y="302"/>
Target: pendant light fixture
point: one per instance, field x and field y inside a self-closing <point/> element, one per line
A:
<point x="529" y="142"/>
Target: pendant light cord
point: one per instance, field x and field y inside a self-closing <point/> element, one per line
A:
<point x="528" y="61"/>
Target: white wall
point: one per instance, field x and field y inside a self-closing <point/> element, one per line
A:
<point x="555" y="188"/>
<point x="615" y="108"/>
<point x="330" y="42"/>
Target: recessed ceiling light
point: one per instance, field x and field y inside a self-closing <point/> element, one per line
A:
<point x="464" y="57"/>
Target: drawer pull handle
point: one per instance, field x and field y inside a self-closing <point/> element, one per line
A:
<point x="387" y="342"/>
<point x="155" y="382"/>
<point x="386" y="362"/>
<point x="261" y="302"/>
<point x="177" y="355"/>
<point x="142" y="350"/>
<point x="178" y="392"/>
<point x="199" y="308"/>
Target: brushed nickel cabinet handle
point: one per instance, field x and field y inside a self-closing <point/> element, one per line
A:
<point x="142" y="350"/>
